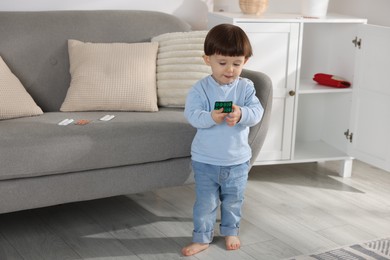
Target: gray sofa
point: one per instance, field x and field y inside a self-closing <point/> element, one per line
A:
<point x="43" y="164"/>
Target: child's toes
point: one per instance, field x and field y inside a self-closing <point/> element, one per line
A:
<point x="232" y="242"/>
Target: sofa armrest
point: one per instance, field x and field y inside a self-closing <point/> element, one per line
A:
<point x="263" y="86"/>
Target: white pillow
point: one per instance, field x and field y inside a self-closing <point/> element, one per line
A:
<point x="14" y="99"/>
<point x="179" y="65"/>
<point x="112" y="76"/>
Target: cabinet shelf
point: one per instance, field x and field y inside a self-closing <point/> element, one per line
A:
<point x="308" y="86"/>
<point x="317" y="151"/>
<point x="311" y="151"/>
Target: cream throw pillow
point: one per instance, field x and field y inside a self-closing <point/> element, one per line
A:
<point x="179" y="65"/>
<point x="111" y="76"/>
<point x="14" y="99"/>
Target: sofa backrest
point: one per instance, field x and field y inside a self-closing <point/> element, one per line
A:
<point x="34" y="44"/>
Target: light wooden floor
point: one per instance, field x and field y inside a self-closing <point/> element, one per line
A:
<point x="289" y="210"/>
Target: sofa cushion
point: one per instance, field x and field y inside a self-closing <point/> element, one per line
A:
<point x="112" y="76"/>
<point x="179" y="65"/>
<point x="14" y="99"/>
<point x="130" y="138"/>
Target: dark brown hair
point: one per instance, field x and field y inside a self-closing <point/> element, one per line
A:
<point x="227" y="40"/>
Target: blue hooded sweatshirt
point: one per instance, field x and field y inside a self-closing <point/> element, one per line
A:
<point x="220" y="144"/>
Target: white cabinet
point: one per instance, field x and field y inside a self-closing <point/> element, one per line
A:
<point x="275" y="45"/>
<point x="371" y="100"/>
<point x="310" y="122"/>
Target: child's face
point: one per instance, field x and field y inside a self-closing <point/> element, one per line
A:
<point x="225" y="69"/>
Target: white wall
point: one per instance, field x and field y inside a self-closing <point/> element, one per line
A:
<point x="195" y="11"/>
<point x="376" y="11"/>
<point x="192" y="11"/>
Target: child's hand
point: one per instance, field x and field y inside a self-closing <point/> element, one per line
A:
<point x="234" y="117"/>
<point x="218" y="115"/>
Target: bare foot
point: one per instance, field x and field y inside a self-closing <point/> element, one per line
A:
<point x="232" y="242"/>
<point x="194" y="248"/>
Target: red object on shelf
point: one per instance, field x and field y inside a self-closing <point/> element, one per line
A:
<point x="331" y="80"/>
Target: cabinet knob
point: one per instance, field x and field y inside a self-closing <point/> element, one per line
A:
<point x="291" y="93"/>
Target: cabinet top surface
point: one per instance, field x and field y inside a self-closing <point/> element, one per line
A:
<point x="286" y="17"/>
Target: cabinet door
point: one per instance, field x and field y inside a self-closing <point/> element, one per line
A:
<point x="371" y="101"/>
<point x="275" y="48"/>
